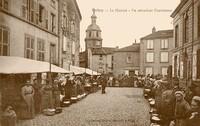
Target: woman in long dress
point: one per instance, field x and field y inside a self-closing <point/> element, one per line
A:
<point x="27" y="94"/>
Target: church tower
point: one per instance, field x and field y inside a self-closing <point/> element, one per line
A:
<point x="93" y="36"/>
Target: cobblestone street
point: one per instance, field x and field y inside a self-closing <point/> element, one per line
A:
<point x="119" y="107"/>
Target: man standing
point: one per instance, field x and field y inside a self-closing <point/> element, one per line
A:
<point x="103" y="83"/>
<point x="194" y="119"/>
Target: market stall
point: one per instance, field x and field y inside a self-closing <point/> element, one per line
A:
<point x="14" y="72"/>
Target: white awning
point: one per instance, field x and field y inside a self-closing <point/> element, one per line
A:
<point x="16" y="65"/>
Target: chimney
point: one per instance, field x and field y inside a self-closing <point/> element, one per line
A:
<point x="153" y="29"/>
<point x="117" y="47"/>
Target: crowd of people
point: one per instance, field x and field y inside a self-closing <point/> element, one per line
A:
<point x="170" y="104"/>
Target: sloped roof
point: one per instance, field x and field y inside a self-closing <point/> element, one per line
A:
<point x="109" y="50"/>
<point x="98" y="51"/>
<point x="159" y="34"/>
<point x="103" y="50"/>
<point x="132" y="48"/>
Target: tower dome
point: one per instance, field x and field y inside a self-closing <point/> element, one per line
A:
<point x="93" y="26"/>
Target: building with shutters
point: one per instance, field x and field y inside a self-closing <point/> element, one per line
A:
<point x="29" y="29"/>
<point x="155" y="52"/>
<point x="186" y="55"/>
<point x="69" y="17"/>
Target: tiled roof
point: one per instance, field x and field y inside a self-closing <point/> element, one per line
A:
<point x="132" y="48"/>
<point x="102" y="51"/>
<point x="159" y="34"/>
<point x="98" y="51"/>
<point x="109" y="50"/>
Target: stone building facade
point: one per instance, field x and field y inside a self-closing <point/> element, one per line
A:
<point x="29" y="29"/>
<point x="186" y="55"/>
<point x="155" y="52"/>
<point x="126" y="60"/>
<point x="69" y="33"/>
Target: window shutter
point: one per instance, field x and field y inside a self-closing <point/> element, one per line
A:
<point x="36" y="12"/>
<point x="24" y="9"/>
<point x="46" y="21"/>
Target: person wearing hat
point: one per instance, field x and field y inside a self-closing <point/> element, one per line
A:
<point x="27" y="95"/>
<point x="194" y="118"/>
<point x="182" y="110"/>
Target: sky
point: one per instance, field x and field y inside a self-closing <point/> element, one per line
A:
<point x="124" y="21"/>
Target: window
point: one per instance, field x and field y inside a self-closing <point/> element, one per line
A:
<point x="53" y="25"/>
<point x="175" y="66"/>
<point x="36" y="13"/>
<point x="41" y="14"/>
<point x="164" y="57"/>
<point x="73" y="48"/>
<point x="186" y="28"/>
<point x="164" y="43"/>
<point x="149" y="57"/>
<point x="176" y="36"/>
<point x="90" y="34"/>
<point x="32" y="11"/>
<point x="149" y="70"/>
<point x="4" y="42"/>
<point x="97" y="34"/>
<point x="185" y="65"/>
<point x="46" y="20"/>
<point x="72" y="27"/>
<point x="25" y="9"/>
<point x="29" y="47"/>
<point x="128" y="60"/>
<point x="164" y="70"/>
<point x="198" y="20"/>
<point x="149" y="44"/>
<point x="4" y="4"/>
<point x="41" y="51"/>
<point x="53" y="53"/>
<point x="100" y="57"/>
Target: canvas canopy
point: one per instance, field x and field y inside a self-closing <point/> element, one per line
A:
<point x="80" y="70"/>
<point x="16" y="65"/>
<point x="76" y="70"/>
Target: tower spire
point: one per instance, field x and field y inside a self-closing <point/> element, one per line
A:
<point x="94" y="17"/>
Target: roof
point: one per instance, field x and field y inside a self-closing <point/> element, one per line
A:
<point x="159" y="34"/>
<point x="98" y="51"/>
<point x="79" y="13"/>
<point x="178" y="8"/>
<point x="109" y="50"/>
<point x="93" y="27"/>
<point x="19" y="65"/>
<point x="103" y="50"/>
<point x="132" y="48"/>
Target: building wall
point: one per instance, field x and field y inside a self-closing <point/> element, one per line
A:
<point x="96" y="64"/>
<point x="69" y="30"/>
<point x="189" y="48"/>
<point x="157" y="65"/>
<point x="19" y="27"/>
<point x="183" y="48"/>
<point x="120" y="62"/>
